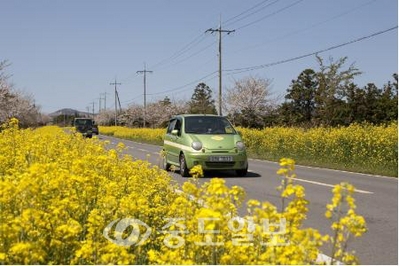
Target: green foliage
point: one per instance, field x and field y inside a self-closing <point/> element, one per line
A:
<point x="330" y="98"/>
<point x="201" y="100"/>
<point x="302" y="95"/>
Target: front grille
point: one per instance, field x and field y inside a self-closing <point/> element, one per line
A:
<point x="220" y="165"/>
<point x="220" y="151"/>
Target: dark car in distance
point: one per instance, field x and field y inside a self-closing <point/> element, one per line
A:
<point x="84" y="126"/>
<point x="95" y="128"/>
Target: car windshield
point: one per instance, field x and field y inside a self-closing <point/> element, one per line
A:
<point x="81" y="122"/>
<point x="208" y="125"/>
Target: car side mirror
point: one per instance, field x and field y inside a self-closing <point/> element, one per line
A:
<point x="175" y="132"/>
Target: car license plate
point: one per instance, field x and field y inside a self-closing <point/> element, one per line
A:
<point x="221" y="158"/>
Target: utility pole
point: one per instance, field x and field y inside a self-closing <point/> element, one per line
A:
<point x="116" y="98"/>
<point x="145" y="90"/>
<point x="99" y="104"/>
<point x="92" y="109"/>
<point x="105" y="99"/>
<point x="220" y="30"/>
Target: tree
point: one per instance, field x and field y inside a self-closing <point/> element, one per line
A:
<point x="201" y="100"/>
<point x="106" y="118"/>
<point x="166" y="101"/>
<point x="16" y="104"/>
<point x="301" y="96"/>
<point x="389" y="100"/>
<point x="247" y="102"/>
<point x="371" y="104"/>
<point x="158" y="113"/>
<point x="132" y="116"/>
<point x="356" y="104"/>
<point x="332" y="90"/>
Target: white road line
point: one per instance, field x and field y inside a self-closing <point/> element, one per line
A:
<point x="324" y="184"/>
<point x="329" y="169"/>
<point x="329" y="185"/>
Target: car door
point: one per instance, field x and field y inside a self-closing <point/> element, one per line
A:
<point x="170" y="143"/>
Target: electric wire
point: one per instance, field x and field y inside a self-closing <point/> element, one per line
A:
<point x="191" y="56"/>
<point x="269" y="15"/>
<point x="309" y="27"/>
<point x="246" y="69"/>
<point x="200" y="38"/>
<point x="185" y="85"/>
<point x="227" y="23"/>
<point x="196" y="41"/>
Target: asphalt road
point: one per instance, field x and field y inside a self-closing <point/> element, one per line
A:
<point x="376" y="198"/>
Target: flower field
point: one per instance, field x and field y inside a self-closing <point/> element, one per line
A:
<point x="359" y="148"/>
<point x="149" y="135"/>
<point x="69" y="200"/>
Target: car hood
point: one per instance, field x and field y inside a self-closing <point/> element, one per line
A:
<point x="217" y="142"/>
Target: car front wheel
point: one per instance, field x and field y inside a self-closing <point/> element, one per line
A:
<point x="184" y="172"/>
<point x="165" y="164"/>
<point x="242" y="172"/>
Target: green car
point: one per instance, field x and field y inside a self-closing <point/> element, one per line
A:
<point x="207" y="140"/>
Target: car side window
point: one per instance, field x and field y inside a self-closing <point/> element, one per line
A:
<point x="178" y="126"/>
<point x="171" y="126"/>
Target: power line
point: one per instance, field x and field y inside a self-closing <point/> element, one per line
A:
<point x="201" y="38"/>
<point x="309" y="27"/>
<point x="183" y="50"/>
<point x="269" y="15"/>
<point x="131" y="100"/>
<point x="226" y="22"/>
<point x="246" y="69"/>
<point x="185" y="85"/>
<point x="250" y="14"/>
<point x="192" y="55"/>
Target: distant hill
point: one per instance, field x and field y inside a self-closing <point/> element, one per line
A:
<point x="69" y="112"/>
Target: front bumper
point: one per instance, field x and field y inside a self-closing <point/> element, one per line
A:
<point x="87" y="134"/>
<point x="239" y="161"/>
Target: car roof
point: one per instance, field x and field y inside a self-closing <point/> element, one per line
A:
<point x="189" y="115"/>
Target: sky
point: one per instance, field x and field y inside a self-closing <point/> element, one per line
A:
<point x="66" y="54"/>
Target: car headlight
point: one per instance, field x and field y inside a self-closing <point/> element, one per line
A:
<point x="240" y="145"/>
<point x="196" y="145"/>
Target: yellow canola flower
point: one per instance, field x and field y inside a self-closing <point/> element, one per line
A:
<point x="59" y="192"/>
<point x="196" y="171"/>
<point x="345" y="222"/>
